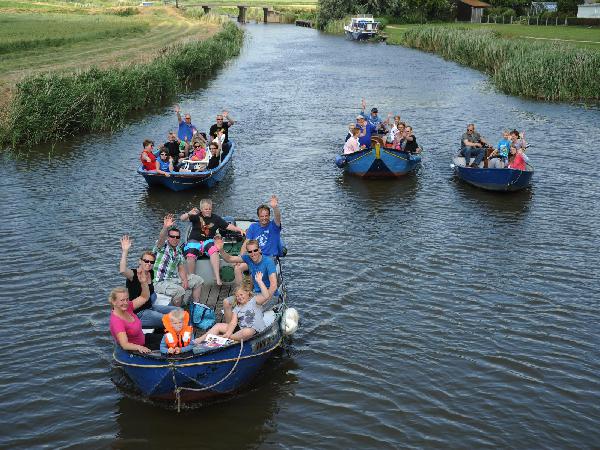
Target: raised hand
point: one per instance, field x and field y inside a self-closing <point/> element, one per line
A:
<point x="125" y="243"/>
<point x="194" y="211"/>
<point x="258" y="276"/>
<point x="363" y="103"/>
<point x="225" y="114"/>
<point x="274" y="201"/>
<point x="143" y="276"/>
<point x="177" y="108"/>
<point x="168" y="221"/>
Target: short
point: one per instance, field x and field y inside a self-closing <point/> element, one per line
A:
<point x="195" y="249"/>
<point x="173" y="288"/>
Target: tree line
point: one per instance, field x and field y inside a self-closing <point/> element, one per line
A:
<point x="420" y="11"/>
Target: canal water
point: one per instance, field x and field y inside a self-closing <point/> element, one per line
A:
<point x="434" y="315"/>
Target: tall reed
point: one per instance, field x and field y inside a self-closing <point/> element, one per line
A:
<point x="542" y="70"/>
<point x="51" y="107"/>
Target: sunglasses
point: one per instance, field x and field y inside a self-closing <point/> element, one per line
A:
<point x="197" y="146"/>
<point x="174" y="237"/>
<point x="148" y="261"/>
<point x="254" y="251"/>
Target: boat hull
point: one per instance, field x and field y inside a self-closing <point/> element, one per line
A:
<point x="180" y="181"/>
<point x="382" y="163"/>
<point x="216" y="372"/>
<point x="501" y="180"/>
<point x="360" y="35"/>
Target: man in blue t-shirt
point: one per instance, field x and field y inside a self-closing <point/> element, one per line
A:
<point x="366" y="130"/>
<point x="186" y="129"/>
<point x="257" y="263"/>
<point x="266" y="231"/>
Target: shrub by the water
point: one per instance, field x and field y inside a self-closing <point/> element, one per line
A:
<point x="51" y="107"/>
<point x="548" y="71"/>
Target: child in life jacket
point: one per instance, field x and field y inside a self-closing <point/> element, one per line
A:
<point x="178" y="332"/>
<point x="247" y="318"/>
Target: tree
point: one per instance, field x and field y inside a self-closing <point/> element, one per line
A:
<point x="568" y="6"/>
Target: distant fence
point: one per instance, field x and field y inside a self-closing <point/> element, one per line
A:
<point x="541" y="20"/>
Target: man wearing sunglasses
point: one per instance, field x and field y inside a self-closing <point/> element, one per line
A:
<point x="170" y="272"/>
<point x="223" y="122"/>
<point x="149" y="313"/>
<point x="186" y="128"/>
<point x="266" y="231"/>
<point x="257" y="263"/>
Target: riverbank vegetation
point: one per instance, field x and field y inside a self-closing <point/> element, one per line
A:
<point x="59" y="80"/>
<point x="548" y="71"/>
<point x="584" y="37"/>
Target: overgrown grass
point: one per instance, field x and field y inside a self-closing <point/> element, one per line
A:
<point x="20" y="32"/>
<point x="52" y="107"/>
<point x="542" y="70"/>
<point x="336" y="26"/>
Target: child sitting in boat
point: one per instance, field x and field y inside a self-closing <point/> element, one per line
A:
<point x="178" y="332"/>
<point x="498" y="159"/>
<point x="351" y="127"/>
<point x="247" y="317"/>
<point x="352" y="145"/>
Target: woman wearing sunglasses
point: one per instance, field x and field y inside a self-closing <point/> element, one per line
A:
<point x="149" y="312"/>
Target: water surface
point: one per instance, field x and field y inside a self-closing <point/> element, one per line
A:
<point x="433" y="314"/>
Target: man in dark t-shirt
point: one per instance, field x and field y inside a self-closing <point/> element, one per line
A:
<point x="224" y="121"/>
<point x="204" y="228"/>
<point x="172" y="147"/>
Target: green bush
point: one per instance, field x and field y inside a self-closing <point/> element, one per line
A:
<point x="51" y="107"/>
<point x="549" y="71"/>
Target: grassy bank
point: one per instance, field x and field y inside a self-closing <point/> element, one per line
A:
<point x="538" y="69"/>
<point x="50" y="107"/>
<point x="583" y="37"/>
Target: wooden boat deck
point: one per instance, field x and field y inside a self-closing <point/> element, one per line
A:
<point x="213" y="296"/>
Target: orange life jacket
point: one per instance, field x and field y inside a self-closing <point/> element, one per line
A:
<point x="181" y="338"/>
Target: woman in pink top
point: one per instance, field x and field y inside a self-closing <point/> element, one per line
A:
<point x="352" y="145"/>
<point x="519" y="160"/>
<point x="125" y="326"/>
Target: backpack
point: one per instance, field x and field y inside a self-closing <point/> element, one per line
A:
<point x="201" y="316"/>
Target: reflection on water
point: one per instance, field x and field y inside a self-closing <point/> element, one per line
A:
<point x="248" y="416"/>
<point x="508" y="204"/>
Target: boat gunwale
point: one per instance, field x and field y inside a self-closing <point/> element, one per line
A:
<point x="191" y="175"/>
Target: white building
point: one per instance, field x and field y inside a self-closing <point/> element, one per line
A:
<point x="588" y="10"/>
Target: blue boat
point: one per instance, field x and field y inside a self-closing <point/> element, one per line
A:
<point x="209" y="372"/>
<point x="504" y="180"/>
<point x="179" y="181"/>
<point x="379" y="162"/>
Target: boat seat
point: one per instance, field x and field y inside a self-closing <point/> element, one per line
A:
<point x="460" y="161"/>
<point x="377" y="140"/>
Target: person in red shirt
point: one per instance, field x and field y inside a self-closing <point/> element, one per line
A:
<point x="519" y="159"/>
<point x="147" y="157"/>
